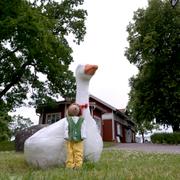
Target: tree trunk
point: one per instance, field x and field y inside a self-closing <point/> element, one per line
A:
<point x="176" y="127"/>
<point x="142" y="137"/>
<point x="16" y="78"/>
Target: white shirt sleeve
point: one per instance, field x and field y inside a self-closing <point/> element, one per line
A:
<point x="66" y="136"/>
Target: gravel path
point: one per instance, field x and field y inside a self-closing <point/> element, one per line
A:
<point x="148" y="147"/>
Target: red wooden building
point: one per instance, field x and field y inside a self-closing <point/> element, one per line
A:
<point x="112" y="123"/>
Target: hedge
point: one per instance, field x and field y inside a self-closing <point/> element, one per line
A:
<point x="7" y="146"/>
<point x="166" y="138"/>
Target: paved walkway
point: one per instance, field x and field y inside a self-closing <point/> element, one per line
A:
<point x="148" y="147"/>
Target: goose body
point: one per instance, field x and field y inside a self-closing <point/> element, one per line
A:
<point x="47" y="146"/>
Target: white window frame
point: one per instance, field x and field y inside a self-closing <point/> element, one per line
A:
<point x="119" y="129"/>
<point x="50" y="121"/>
<point x="98" y="123"/>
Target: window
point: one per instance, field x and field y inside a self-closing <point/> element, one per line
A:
<point x="98" y="123"/>
<point x="53" y="117"/>
<point x="119" y="131"/>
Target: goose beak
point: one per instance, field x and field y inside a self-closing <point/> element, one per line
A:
<point x="90" y="69"/>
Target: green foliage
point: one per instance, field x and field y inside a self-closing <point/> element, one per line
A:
<point x="7" y="146"/>
<point x="144" y="127"/>
<point x="166" y="138"/>
<point x="154" y="47"/>
<point x="112" y="165"/>
<point x="4" y="130"/>
<point x="5" y="119"/>
<point x="142" y="123"/>
<point x="33" y="42"/>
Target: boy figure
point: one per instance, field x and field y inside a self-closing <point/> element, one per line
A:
<point x="74" y="135"/>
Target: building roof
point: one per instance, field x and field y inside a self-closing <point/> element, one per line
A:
<point x="122" y="110"/>
<point x="115" y="110"/>
<point x="102" y="102"/>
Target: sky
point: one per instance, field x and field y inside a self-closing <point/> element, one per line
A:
<point x="104" y="45"/>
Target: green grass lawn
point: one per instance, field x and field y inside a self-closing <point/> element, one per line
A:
<point x="112" y="165"/>
<point x="108" y="144"/>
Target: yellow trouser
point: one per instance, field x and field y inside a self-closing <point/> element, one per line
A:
<point x="74" y="154"/>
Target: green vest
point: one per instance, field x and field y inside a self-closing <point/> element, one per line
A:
<point x="74" y="129"/>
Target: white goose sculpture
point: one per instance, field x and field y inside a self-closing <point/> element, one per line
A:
<point x="47" y="146"/>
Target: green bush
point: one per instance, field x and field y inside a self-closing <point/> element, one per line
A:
<point x="166" y="138"/>
<point x="7" y="146"/>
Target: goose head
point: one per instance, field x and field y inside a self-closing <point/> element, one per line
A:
<point x="83" y="75"/>
<point x="85" y="72"/>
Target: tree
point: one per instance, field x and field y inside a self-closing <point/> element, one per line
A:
<point x="33" y="42"/>
<point x="19" y="123"/>
<point x="143" y="121"/>
<point x="154" y="47"/>
<point x="143" y="128"/>
<point x="5" y="119"/>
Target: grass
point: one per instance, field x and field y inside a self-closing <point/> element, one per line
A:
<point x="120" y="165"/>
<point x="108" y="144"/>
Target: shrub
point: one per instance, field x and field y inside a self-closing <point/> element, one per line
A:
<point x="7" y="146"/>
<point x="166" y="138"/>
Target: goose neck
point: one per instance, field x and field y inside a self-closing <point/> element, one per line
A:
<point x="82" y="94"/>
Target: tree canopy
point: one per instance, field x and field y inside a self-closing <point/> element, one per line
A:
<point x="33" y="42"/>
<point x="154" y="47"/>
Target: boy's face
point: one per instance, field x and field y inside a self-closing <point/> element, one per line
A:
<point x="73" y="110"/>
